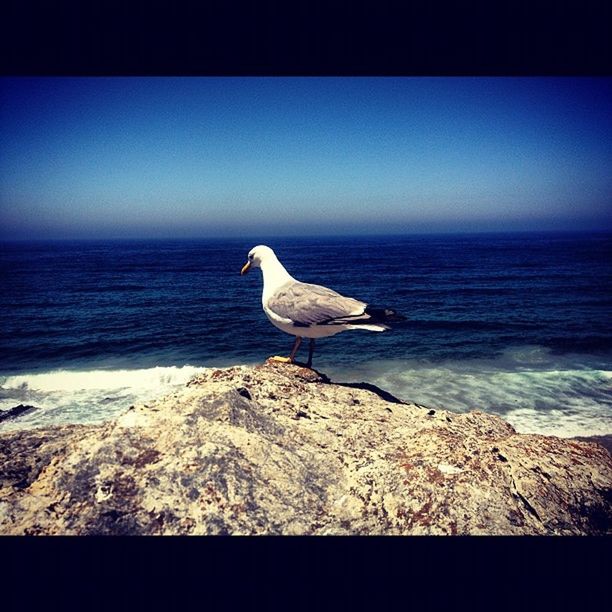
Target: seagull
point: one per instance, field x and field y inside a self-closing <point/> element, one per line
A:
<point x="309" y="311"/>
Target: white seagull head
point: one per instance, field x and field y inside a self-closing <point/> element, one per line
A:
<point x="258" y="255"/>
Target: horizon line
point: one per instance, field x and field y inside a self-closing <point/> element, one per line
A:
<point x="307" y="235"/>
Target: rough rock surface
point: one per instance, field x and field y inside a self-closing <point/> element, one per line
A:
<point x="278" y="449"/>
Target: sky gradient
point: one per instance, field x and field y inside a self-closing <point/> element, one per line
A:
<point x="197" y="157"/>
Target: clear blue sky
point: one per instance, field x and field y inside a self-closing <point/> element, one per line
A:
<point x="191" y="157"/>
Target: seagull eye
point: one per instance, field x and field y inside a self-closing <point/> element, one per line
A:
<point x="251" y="257"/>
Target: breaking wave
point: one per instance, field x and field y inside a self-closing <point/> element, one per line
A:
<point x="532" y="388"/>
<point x="536" y="391"/>
<point x="87" y="396"/>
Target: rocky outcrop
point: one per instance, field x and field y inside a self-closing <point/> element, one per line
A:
<point x="16" y="411"/>
<point x="278" y="449"/>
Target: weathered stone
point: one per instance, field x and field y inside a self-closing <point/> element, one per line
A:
<point x="278" y="449"/>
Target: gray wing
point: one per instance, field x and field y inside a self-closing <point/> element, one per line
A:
<point x="308" y="304"/>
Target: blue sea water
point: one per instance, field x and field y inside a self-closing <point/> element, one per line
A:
<point x="516" y="324"/>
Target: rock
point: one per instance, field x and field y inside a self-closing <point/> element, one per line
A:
<point x="16" y="411"/>
<point x="605" y="441"/>
<point x="279" y="449"/>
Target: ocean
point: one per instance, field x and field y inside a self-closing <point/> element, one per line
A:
<point x="514" y="324"/>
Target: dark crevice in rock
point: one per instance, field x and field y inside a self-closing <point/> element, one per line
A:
<point x="524" y="500"/>
<point x="529" y="507"/>
<point x="244" y="392"/>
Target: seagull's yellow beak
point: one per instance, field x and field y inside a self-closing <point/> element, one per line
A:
<point x="245" y="268"/>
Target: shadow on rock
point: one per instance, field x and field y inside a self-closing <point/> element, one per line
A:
<point x="384" y="395"/>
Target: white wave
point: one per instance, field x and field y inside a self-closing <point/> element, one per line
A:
<point x="93" y="396"/>
<point x="66" y="380"/>
<point x="535" y="391"/>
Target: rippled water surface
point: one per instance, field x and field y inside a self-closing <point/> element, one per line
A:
<point x="515" y="324"/>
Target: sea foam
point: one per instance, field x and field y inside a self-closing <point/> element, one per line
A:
<point x="92" y="396"/>
<point x="534" y="390"/>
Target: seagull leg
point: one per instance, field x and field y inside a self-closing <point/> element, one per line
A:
<point x="294" y="350"/>
<point x="310" y="352"/>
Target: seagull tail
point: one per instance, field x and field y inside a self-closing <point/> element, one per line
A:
<point x="382" y="315"/>
<point x="373" y="319"/>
